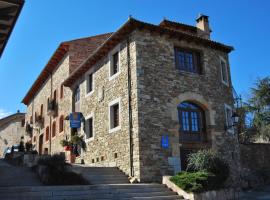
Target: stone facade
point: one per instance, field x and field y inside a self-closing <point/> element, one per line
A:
<point x="157" y="89"/>
<point x="148" y="89"/>
<point x="11" y="131"/>
<point x="51" y="144"/>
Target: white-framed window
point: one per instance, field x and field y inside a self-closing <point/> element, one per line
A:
<point x="224" y="71"/>
<point x="114" y="115"/>
<point x="89" y="128"/>
<point x="228" y="118"/>
<point x="89" y="83"/>
<point x="114" y="63"/>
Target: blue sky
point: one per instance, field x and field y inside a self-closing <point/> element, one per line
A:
<point x="42" y="25"/>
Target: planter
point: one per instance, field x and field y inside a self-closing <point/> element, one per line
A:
<point x="224" y="194"/>
<point x="68" y="148"/>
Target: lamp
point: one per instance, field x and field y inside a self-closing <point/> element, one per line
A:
<point x="235" y="119"/>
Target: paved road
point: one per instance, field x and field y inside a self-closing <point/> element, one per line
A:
<point x="16" y="176"/>
<point x="261" y="193"/>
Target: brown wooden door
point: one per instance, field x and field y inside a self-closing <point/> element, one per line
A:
<point x="40" y="146"/>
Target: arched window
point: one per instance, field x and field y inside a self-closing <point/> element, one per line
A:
<point x="61" y="123"/>
<point x="53" y="129"/>
<point x="41" y="110"/>
<point x="192" y="121"/>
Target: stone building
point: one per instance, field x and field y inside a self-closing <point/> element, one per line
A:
<point x="11" y="131"/>
<point x="151" y="94"/>
<point x="48" y="102"/>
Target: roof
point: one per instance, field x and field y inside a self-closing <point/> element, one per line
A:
<point x="130" y="26"/>
<point x="78" y="51"/>
<point x="9" y="12"/>
<point x="11" y="118"/>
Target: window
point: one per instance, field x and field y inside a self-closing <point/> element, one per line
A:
<point x="90" y="83"/>
<point x="191" y="119"/>
<point x="34" y="139"/>
<point x="114" y="112"/>
<point x="114" y="64"/>
<point x="47" y="133"/>
<point x="187" y="60"/>
<point x="77" y="94"/>
<point x="41" y="110"/>
<point x="61" y="124"/>
<point x="55" y="95"/>
<point x="53" y="129"/>
<point x="228" y="117"/>
<point x="224" y="72"/>
<point x="89" y="128"/>
<point x="61" y="91"/>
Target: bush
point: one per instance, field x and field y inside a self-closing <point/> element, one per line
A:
<point x="208" y="161"/>
<point x="52" y="170"/>
<point x="194" y="181"/>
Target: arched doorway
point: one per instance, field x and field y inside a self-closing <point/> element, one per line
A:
<point x="192" y="129"/>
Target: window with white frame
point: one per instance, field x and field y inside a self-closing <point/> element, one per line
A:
<point x="114" y="115"/>
<point x="89" y="82"/>
<point x="114" y="63"/>
<point x="228" y="117"/>
<point x="224" y="71"/>
<point x="89" y="131"/>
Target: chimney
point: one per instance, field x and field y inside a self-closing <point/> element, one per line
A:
<point x="204" y="30"/>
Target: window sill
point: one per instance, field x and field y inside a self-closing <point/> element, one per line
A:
<point x="225" y="83"/>
<point x="111" y="77"/>
<point x="53" y="137"/>
<point x="61" y="133"/>
<point x="115" y="129"/>
<point x="182" y="72"/>
<point x="89" y="94"/>
<point x="89" y="139"/>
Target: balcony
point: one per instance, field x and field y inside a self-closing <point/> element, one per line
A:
<point x="28" y="129"/>
<point x="52" y="108"/>
<point x="39" y="121"/>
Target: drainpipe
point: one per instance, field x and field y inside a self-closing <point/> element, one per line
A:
<point x="50" y="132"/>
<point x="130" y="110"/>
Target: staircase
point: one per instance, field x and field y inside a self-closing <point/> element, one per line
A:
<point x="101" y="175"/>
<point x="90" y="192"/>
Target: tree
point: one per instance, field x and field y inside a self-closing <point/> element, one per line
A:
<point x="259" y="106"/>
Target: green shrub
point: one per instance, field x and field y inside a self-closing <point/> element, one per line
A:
<point x="208" y="161"/>
<point x="194" y="181"/>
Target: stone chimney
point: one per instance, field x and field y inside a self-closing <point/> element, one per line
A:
<point x="204" y="30"/>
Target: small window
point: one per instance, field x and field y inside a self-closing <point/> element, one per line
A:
<point x="34" y="139"/>
<point x="90" y="83"/>
<point x="53" y="129"/>
<point x="115" y="155"/>
<point x="41" y="110"/>
<point x="61" y="124"/>
<point x="114" y="115"/>
<point x="22" y="122"/>
<point x="187" y="60"/>
<point x="89" y="128"/>
<point x="114" y="64"/>
<point x="77" y="94"/>
<point x="228" y="116"/>
<point x="47" y="133"/>
<point x="224" y="71"/>
<point x="61" y="91"/>
<point x="97" y="159"/>
<point x="55" y="95"/>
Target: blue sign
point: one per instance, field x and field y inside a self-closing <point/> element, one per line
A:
<point x="75" y="120"/>
<point x="165" y="141"/>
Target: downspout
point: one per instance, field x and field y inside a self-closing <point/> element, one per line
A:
<point x="130" y="110"/>
<point x="50" y="132"/>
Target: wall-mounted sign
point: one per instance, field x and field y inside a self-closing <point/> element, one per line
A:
<point x="165" y="141"/>
<point x="75" y="120"/>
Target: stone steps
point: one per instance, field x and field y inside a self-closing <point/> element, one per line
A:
<point x="105" y="191"/>
<point x="100" y="175"/>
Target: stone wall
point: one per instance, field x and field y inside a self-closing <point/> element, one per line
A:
<point x="102" y="148"/>
<point x="11" y="132"/>
<point x="255" y="164"/>
<point x="64" y="106"/>
<point x="162" y="87"/>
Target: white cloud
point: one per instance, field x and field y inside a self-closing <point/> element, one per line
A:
<point x="4" y="113"/>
